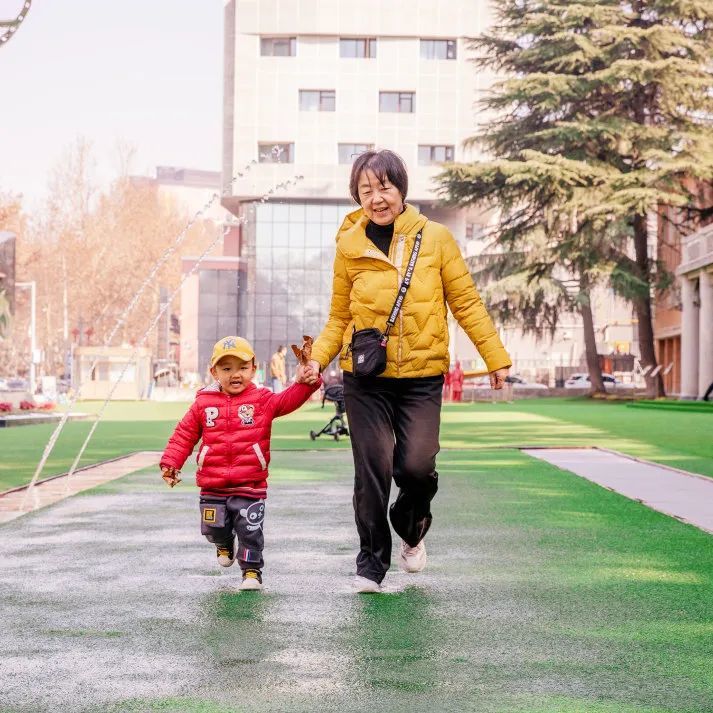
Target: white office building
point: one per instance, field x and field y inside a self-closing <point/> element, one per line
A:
<point x="308" y="87"/>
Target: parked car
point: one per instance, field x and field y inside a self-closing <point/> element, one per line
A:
<point x="581" y="381"/>
<point x="17" y="385"/>
<point x="519" y="383"/>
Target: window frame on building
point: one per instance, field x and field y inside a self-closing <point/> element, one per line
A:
<point x="271" y="42"/>
<point x="353" y="151"/>
<point x="401" y="99"/>
<point x="367" y="45"/>
<point x="429" y="48"/>
<point x="266" y="148"/>
<point x="449" y="151"/>
<point x="323" y="98"/>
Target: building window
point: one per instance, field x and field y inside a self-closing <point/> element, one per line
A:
<point x="401" y="102"/>
<point x="275" y="153"/>
<point x="474" y="231"/>
<point x="359" y="47"/>
<point x="318" y="100"/>
<point x="434" y="154"/>
<point x="278" y="46"/>
<point x="348" y="152"/>
<point x="438" y="49"/>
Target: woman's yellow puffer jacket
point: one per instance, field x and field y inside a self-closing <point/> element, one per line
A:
<point x="365" y="285"/>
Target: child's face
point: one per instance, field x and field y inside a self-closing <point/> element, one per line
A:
<point x="233" y="374"/>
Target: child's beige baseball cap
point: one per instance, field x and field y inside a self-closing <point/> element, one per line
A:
<point x="232" y="346"/>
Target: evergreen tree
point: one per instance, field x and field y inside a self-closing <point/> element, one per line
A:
<point x="604" y="107"/>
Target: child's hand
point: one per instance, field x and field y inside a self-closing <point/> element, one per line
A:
<point x="306" y="375"/>
<point x="170" y="475"/>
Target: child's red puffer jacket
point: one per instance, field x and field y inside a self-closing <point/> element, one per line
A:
<point x="235" y="433"/>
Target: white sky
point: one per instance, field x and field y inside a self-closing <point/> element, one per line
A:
<point x="147" y="72"/>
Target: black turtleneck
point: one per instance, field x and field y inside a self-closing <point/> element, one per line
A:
<point x="380" y="235"/>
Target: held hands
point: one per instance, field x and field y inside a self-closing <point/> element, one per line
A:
<point x="497" y="378"/>
<point x="170" y="475"/>
<point x="306" y="374"/>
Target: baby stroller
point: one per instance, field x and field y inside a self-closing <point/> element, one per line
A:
<point x="336" y="426"/>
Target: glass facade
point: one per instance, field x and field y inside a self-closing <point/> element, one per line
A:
<point x="217" y="310"/>
<point x="289" y="249"/>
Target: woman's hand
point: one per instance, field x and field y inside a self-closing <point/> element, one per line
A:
<point x="314" y="366"/>
<point x="497" y="378"/>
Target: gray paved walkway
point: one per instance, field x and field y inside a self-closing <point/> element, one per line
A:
<point x="686" y="497"/>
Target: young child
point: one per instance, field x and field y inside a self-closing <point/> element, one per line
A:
<point x="233" y="419"/>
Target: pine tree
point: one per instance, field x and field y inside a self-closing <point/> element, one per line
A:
<point x="604" y="108"/>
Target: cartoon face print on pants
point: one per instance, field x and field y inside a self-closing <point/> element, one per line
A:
<point x="254" y="514"/>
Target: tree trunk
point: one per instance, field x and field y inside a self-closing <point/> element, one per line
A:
<point x="642" y="307"/>
<point x="590" y="341"/>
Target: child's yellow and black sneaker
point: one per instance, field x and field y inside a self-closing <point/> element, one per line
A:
<point x="252" y="580"/>
<point x="226" y="554"/>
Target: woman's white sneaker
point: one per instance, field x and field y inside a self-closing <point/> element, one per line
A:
<point x="412" y="559"/>
<point x="363" y="585"/>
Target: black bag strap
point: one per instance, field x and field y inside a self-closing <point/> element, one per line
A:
<point x="404" y="286"/>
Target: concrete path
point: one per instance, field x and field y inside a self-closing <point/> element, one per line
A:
<point x="685" y="496"/>
<point x="15" y="503"/>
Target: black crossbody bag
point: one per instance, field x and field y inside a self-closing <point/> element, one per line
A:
<point x="368" y="346"/>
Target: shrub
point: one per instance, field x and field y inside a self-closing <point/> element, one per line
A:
<point x="5" y="406"/>
<point x="26" y="405"/>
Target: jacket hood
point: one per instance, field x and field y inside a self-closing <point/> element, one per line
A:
<point x="351" y="236"/>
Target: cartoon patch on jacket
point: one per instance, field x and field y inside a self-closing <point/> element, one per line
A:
<point x="246" y="411"/>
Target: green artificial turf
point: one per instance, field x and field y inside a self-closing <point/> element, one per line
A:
<point x="544" y="593"/>
<point x="678" y="439"/>
<point x="675" y="438"/>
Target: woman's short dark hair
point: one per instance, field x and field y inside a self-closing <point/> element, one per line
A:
<point x="386" y="165"/>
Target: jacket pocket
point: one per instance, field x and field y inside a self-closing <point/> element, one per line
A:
<point x="260" y="455"/>
<point x="201" y="456"/>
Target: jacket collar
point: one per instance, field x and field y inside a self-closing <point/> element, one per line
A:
<point x="351" y="237"/>
<point x="214" y="388"/>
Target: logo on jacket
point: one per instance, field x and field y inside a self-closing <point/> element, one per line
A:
<point x="211" y="413"/>
<point x="246" y="412"/>
<point x="254" y="514"/>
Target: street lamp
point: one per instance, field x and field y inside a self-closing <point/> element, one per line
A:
<point x="33" y="331"/>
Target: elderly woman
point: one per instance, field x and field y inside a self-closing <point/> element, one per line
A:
<point x="394" y="354"/>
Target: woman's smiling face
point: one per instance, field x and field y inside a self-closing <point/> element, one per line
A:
<point x="382" y="202"/>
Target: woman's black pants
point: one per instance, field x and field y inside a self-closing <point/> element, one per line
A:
<point x="394" y="426"/>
